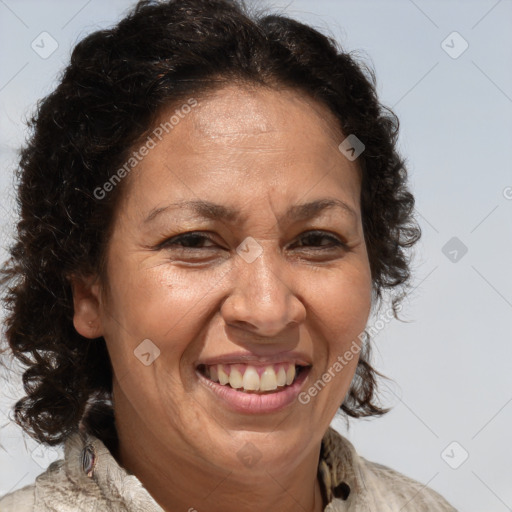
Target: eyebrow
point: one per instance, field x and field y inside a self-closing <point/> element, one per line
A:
<point x="215" y="211"/>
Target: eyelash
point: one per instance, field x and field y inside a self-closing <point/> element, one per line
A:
<point x="178" y="240"/>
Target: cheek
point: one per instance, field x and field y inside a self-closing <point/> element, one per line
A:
<point x="342" y="300"/>
<point x="344" y="303"/>
<point x="158" y="302"/>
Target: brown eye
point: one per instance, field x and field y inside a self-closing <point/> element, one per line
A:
<point x="188" y="241"/>
<point x="320" y="239"/>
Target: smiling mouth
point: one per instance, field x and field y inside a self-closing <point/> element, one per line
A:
<point x="253" y="379"/>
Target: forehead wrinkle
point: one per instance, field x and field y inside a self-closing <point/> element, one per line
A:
<point x="202" y="208"/>
<point x="231" y="215"/>
<point x="217" y="122"/>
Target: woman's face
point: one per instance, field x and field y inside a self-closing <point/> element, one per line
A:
<point x="275" y="275"/>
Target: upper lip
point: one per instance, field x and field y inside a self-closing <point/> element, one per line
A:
<point x="297" y="358"/>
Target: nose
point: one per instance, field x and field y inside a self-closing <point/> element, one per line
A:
<point x="263" y="298"/>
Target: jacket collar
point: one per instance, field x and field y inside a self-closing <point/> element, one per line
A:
<point x="91" y="465"/>
<point x="337" y="467"/>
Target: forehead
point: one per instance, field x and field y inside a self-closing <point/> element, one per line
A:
<point x="242" y="143"/>
<point x="244" y="110"/>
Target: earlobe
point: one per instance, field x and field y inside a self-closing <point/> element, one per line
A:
<point x="87" y="306"/>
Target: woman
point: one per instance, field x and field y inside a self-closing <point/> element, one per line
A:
<point x="211" y="206"/>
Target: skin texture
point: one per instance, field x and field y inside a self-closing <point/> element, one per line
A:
<point x="259" y="151"/>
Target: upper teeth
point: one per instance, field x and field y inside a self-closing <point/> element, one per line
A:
<point x="252" y="378"/>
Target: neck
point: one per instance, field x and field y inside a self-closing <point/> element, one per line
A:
<point x="198" y="486"/>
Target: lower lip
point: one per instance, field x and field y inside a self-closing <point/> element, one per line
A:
<point x="252" y="403"/>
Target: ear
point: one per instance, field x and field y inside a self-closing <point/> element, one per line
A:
<point x="87" y="306"/>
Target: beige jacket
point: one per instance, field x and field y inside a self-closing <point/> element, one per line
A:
<point x="89" y="479"/>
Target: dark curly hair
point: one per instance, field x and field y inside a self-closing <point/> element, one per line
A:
<point x="108" y="99"/>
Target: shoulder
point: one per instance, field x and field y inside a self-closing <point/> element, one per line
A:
<point x="369" y="485"/>
<point x="88" y="478"/>
<point x="60" y="488"/>
<point x="400" y="491"/>
<point x="52" y="482"/>
<point x="21" y="500"/>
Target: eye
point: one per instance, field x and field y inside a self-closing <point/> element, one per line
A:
<point x="320" y="240"/>
<point x="192" y="240"/>
<point x="198" y="240"/>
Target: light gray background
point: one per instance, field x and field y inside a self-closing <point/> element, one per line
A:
<point x="450" y="362"/>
